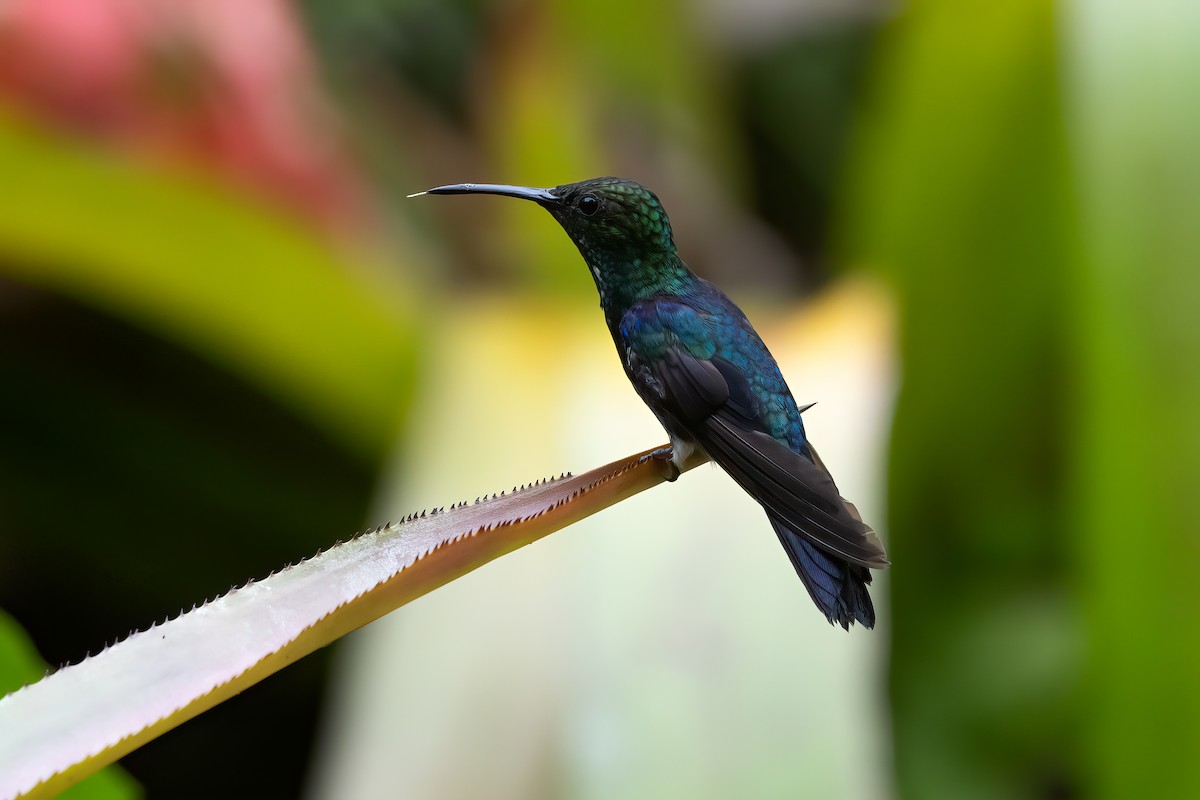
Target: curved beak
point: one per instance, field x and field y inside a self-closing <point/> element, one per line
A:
<point x="541" y="196"/>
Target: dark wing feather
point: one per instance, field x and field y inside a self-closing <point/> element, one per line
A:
<point x="713" y="400"/>
<point x="693" y="386"/>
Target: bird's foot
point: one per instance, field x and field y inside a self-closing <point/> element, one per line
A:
<point x="667" y="454"/>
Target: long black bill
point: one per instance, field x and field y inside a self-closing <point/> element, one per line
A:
<point x="542" y="196"/>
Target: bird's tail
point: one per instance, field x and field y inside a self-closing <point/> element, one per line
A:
<point x="837" y="586"/>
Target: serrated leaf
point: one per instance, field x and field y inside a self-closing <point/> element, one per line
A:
<point x="66" y="726"/>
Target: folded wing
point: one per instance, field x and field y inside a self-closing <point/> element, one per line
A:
<point x="712" y="398"/>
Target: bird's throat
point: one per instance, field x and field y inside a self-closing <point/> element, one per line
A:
<point x="623" y="279"/>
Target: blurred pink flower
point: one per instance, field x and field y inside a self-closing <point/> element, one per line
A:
<point x="226" y="85"/>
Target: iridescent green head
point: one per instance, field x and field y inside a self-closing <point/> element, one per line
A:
<point x="613" y="216"/>
<point x="619" y="226"/>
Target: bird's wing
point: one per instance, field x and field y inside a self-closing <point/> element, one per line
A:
<point x="711" y="398"/>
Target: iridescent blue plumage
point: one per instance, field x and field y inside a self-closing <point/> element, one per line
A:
<point x="700" y="366"/>
<point x="708" y="325"/>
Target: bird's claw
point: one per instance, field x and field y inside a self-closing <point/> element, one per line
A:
<point x="668" y="455"/>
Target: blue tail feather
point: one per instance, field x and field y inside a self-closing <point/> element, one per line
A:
<point x="838" y="587"/>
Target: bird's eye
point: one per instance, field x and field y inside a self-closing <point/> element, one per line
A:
<point x="589" y="205"/>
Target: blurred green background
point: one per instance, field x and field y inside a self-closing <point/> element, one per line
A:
<point x="971" y="230"/>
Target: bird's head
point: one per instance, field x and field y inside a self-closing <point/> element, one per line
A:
<point x="618" y="225"/>
<point x="611" y="216"/>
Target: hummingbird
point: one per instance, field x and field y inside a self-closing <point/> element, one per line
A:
<point x="697" y="362"/>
